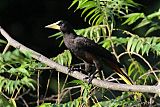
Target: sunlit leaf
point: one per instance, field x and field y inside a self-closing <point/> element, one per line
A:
<point x="3" y="41"/>
<point x="152" y="29"/>
<point x="144" y="22"/>
<point x="64" y="58"/>
<point x="156" y="14"/>
<point x="133" y="17"/>
<point x="130" y="43"/>
<point x="147" y="46"/>
<point x="134" y="44"/>
<point x="139" y="46"/>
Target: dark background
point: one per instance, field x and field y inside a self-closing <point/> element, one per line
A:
<point x="24" y="20"/>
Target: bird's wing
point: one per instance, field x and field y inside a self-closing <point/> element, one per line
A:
<point x="92" y="47"/>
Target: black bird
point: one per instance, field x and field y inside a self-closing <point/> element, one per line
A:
<point x="88" y="51"/>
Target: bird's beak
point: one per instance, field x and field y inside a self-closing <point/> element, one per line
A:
<point x="53" y="26"/>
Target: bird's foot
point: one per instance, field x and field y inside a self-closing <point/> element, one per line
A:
<point x="89" y="78"/>
<point x="73" y="68"/>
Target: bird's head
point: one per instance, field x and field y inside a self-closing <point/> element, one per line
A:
<point x="61" y="25"/>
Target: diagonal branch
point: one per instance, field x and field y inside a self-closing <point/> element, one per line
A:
<point x="78" y="75"/>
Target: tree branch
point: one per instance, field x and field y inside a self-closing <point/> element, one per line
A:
<point x="78" y="75"/>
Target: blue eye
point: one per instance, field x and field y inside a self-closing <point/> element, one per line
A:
<point x="60" y="24"/>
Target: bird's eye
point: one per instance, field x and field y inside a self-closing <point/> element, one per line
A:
<point x="60" y="23"/>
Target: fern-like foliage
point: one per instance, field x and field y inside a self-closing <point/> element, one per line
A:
<point x="135" y="70"/>
<point x="103" y="11"/>
<point x="16" y="70"/>
<point x="140" y="45"/>
<point x="153" y="20"/>
<point x="4" y="101"/>
<point x="64" y="58"/>
<point x="144" y="45"/>
<point x="10" y="86"/>
<point x="2" y="42"/>
<point x="95" y="33"/>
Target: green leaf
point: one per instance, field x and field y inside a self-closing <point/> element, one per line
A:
<point x="132" y="2"/>
<point x="28" y="82"/>
<point x="58" y="35"/>
<point x="134" y="44"/>
<point x="139" y="46"/>
<point x="81" y="4"/>
<point x="86" y="32"/>
<point x="79" y="82"/>
<point x="95" y="19"/>
<point x="133" y="17"/>
<point x="23" y="71"/>
<point x="157" y="48"/>
<point x="135" y="76"/>
<point x="130" y="43"/>
<point x="146" y="46"/>
<point x="6" y="103"/>
<point x="64" y="58"/>
<point x="46" y="105"/>
<point x="96" y="15"/>
<point x="156" y="14"/>
<point x="106" y="43"/>
<point x="154" y="41"/>
<point x="3" y="41"/>
<point x="73" y="3"/>
<point x="99" y="20"/>
<point x="144" y="22"/>
<point x="2" y="83"/>
<point x="88" y="4"/>
<point x="152" y="29"/>
<point x="90" y="13"/>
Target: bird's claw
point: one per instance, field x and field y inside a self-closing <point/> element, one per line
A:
<point x="89" y="78"/>
<point x="72" y="68"/>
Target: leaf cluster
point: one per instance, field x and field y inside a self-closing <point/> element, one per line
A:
<point x="102" y="11"/>
<point x="16" y="70"/>
<point x="64" y="58"/>
<point x="152" y="20"/>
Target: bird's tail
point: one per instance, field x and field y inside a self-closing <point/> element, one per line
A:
<point x="123" y="75"/>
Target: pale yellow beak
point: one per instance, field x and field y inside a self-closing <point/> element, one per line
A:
<point x="53" y="26"/>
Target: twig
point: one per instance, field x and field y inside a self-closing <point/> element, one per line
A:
<point x="67" y="90"/>
<point x="148" y="73"/>
<point x="6" y="48"/>
<point x="24" y="101"/>
<point x="78" y="75"/>
<point x="38" y="88"/>
<point x="44" y="68"/>
<point x="48" y="82"/>
<point x="59" y="90"/>
<point x="20" y="96"/>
